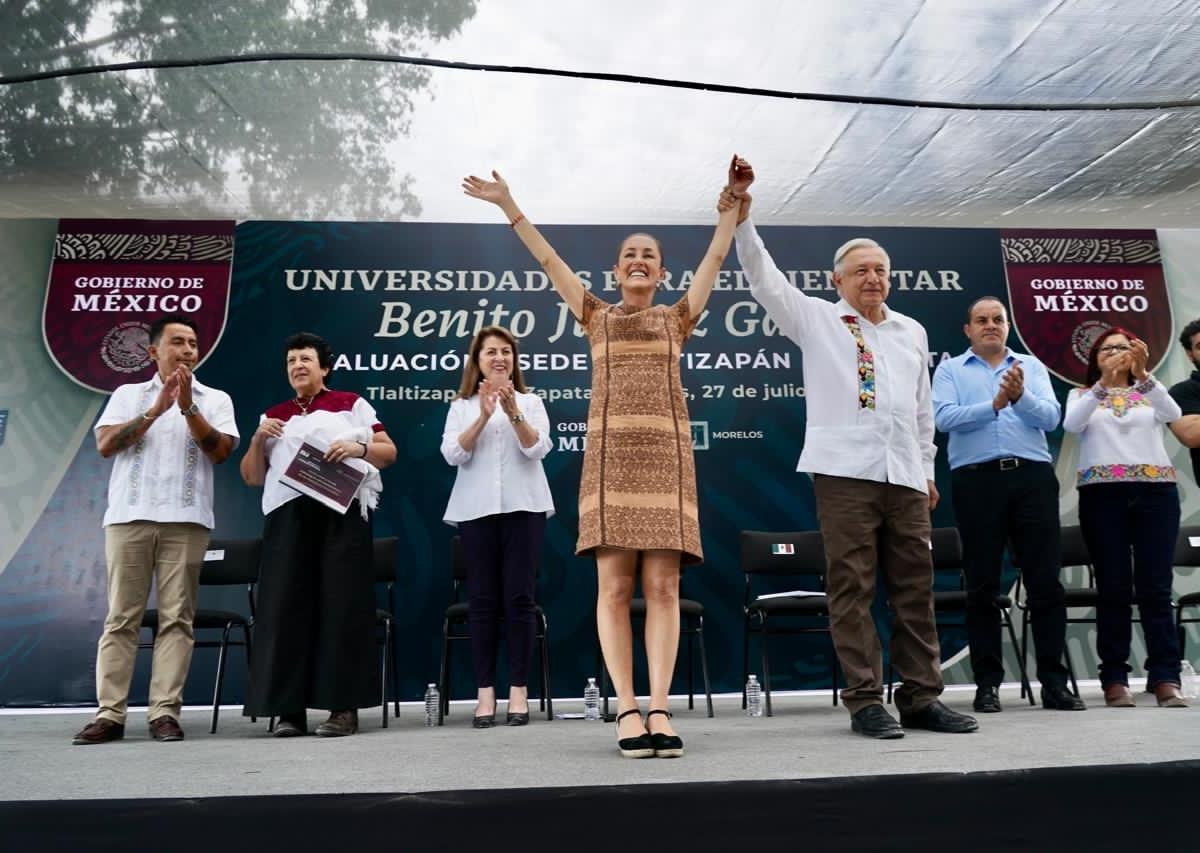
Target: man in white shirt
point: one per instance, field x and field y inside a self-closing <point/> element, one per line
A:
<point x="869" y="446"/>
<point x="164" y="437"/>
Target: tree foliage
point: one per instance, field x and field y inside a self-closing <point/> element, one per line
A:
<point x="301" y="139"/>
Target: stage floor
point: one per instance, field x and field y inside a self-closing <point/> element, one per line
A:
<point x="806" y="739"/>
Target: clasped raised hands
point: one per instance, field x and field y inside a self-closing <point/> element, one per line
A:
<point x="738" y="180"/>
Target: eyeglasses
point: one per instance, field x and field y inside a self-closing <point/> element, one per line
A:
<point x="1109" y="349"/>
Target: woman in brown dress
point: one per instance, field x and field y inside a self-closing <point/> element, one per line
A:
<point x="637" y="497"/>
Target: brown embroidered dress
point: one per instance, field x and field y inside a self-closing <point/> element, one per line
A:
<point x="638" y="488"/>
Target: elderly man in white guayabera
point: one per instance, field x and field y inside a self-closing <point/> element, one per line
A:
<point x="869" y="446"/>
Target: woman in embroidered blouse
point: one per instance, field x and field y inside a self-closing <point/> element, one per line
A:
<point x="314" y="636"/>
<point x="496" y="435"/>
<point x="637" y="492"/>
<point x="1128" y="501"/>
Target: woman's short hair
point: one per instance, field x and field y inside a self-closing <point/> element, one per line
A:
<point x="471" y="375"/>
<point x="307" y="340"/>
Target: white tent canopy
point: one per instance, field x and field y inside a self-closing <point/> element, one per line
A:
<point x="336" y="138"/>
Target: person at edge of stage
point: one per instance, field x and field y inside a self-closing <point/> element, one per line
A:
<point x="496" y="435"/>
<point x="1187" y="394"/>
<point x="164" y="435"/>
<point x="997" y="407"/>
<point x="637" y="494"/>
<point x="1128" y="512"/>
<point x="314" y="634"/>
<point x="869" y="447"/>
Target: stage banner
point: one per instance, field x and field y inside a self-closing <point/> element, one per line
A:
<point x="399" y="303"/>
<point x="1068" y="286"/>
<point x="111" y="278"/>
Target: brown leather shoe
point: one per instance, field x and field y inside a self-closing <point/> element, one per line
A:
<point x="1168" y="695"/>
<point x="165" y="729"/>
<point x="1118" y="696"/>
<point x="339" y="724"/>
<point x="99" y="730"/>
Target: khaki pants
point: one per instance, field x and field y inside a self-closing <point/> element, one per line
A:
<point x="868" y="526"/>
<point x="138" y="552"/>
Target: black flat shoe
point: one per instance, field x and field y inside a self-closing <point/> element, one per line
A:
<point x="641" y="746"/>
<point x="517" y="718"/>
<point x="665" y="746"/>
<point x="936" y="717"/>
<point x="483" y="721"/>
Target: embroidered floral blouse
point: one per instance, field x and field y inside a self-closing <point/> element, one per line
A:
<point x="1120" y="433"/>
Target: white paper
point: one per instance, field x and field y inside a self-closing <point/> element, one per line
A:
<point x="213" y="556"/>
<point x="1194" y="541"/>
<point x="795" y="593"/>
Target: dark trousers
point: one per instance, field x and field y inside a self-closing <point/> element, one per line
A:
<point x="868" y="526"/>
<point x="1130" y="530"/>
<point x="995" y="508"/>
<point x="501" y="554"/>
<point x="314" y="637"/>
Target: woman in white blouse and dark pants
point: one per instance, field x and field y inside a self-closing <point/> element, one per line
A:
<point x="1128" y="511"/>
<point x="496" y="435"/>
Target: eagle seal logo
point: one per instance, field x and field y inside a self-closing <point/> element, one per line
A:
<point x="125" y="348"/>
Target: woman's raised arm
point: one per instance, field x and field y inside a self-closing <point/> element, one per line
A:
<point x="741" y="175"/>
<point x="568" y="285"/>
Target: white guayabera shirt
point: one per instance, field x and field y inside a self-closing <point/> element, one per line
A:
<point x="165" y="476"/>
<point x="870" y="412"/>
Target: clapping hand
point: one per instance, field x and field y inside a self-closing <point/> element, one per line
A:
<point x="508" y="399"/>
<point x="1012" y="383"/>
<point x="167" y="395"/>
<point x="1139" y="357"/>
<point x="487" y="400"/>
<point x="495" y="191"/>
<point x="183" y="379"/>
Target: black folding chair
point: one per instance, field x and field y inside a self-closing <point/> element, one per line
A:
<point x="691" y="619"/>
<point x="385" y="574"/>
<point x="948" y="558"/>
<point x="226" y="563"/>
<point x="456" y="618"/>
<point x="766" y="554"/>
<point x="1073" y="552"/>
<point x="1187" y="553"/>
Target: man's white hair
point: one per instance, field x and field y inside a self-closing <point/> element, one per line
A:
<point x="857" y="243"/>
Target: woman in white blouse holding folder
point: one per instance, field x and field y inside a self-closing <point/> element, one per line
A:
<point x="1128" y="511"/>
<point x="496" y="435"/>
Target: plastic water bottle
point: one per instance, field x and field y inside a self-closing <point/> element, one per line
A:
<point x="1189" y="682"/>
<point x="591" y="700"/>
<point x="754" y="707"/>
<point x="433" y="701"/>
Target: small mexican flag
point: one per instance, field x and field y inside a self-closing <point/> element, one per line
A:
<point x="783" y="548"/>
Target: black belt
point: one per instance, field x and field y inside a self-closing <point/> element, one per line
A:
<point x="1008" y="463"/>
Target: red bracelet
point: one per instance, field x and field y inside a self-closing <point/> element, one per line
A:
<point x="516" y="221"/>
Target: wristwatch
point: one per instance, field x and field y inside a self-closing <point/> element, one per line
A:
<point x="190" y="410"/>
<point x="517" y="418"/>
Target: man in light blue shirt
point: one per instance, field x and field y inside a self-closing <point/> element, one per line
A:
<point x="997" y="407"/>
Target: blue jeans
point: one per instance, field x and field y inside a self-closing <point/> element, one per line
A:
<point x="1130" y="530"/>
